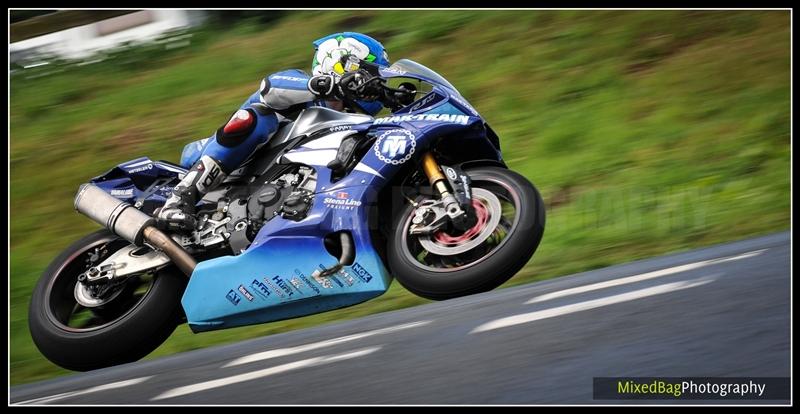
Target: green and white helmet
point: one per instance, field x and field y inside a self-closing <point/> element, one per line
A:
<point x="330" y="49"/>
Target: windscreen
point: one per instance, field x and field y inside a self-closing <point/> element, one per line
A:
<point x="414" y="67"/>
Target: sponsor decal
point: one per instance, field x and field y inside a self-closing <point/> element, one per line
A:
<point x="260" y="288"/>
<point x="424" y="102"/>
<point x="142" y="168"/>
<point x="275" y="288"/>
<point x="362" y="273"/>
<point x="233" y="297"/>
<point x="395" y="146"/>
<point x="289" y="78"/>
<point x="307" y="282"/>
<point x="296" y="283"/>
<point x="209" y="179"/>
<point x="336" y="280"/>
<point x="128" y="192"/>
<point x="459" y="179"/>
<point x="347" y="278"/>
<point x="394" y="70"/>
<point x="340" y="128"/>
<point x="247" y="295"/>
<point x="451" y="173"/>
<point x="342" y="201"/>
<point x="323" y="281"/>
<point x="464" y="181"/>
<point x="283" y="285"/>
<point x="453" y="118"/>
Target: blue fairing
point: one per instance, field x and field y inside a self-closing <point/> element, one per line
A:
<point x="141" y="182"/>
<point x="273" y="278"/>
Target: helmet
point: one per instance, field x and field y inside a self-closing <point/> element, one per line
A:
<point x="330" y="49"/>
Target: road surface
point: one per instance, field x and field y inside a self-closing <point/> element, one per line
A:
<point x="722" y="311"/>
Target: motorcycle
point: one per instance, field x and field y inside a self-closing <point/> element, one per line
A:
<point x="321" y="217"/>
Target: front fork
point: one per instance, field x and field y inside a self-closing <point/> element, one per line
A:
<point x="455" y="199"/>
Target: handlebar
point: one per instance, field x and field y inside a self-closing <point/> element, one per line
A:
<point x="374" y="87"/>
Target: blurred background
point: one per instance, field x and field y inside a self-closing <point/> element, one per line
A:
<point x="647" y="132"/>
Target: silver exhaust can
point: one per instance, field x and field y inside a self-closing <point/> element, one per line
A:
<point x="118" y="216"/>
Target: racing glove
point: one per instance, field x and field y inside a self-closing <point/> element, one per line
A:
<point x="322" y="86"/>
<point x="361" y="85"/>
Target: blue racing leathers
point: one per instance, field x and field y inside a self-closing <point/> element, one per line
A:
<point x="281" y="95"/>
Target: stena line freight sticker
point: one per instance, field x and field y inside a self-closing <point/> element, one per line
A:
<point x="341" y="201"/>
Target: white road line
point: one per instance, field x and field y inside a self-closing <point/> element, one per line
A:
<point x="590" y="304"/>
<point x="275" y="353"/>
<point x="641" y="277"/>
<point x="105" y="387"/>
<point x="311" y="362"/>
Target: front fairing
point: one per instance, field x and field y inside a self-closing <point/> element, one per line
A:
<point x="441" y="90"/>
<point x="407" y="67"/>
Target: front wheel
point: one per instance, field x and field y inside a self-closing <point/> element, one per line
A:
<point x="123" y="323"/>
<point x="448" y="264"/>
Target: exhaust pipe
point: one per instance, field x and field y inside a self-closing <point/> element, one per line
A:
<point x="345" y="259"/>
<point x="179" y="256"/>
<point x="129" y="223"/>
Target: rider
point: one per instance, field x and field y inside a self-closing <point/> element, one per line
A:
<point x="281" y="95"/>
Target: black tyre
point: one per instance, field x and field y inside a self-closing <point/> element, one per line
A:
<point x="450" y="264"/>
<point x="131" y="321"/>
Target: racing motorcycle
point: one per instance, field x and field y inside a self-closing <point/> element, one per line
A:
<point x="321" y="217"/>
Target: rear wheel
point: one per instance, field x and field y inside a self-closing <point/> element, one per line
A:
<point x="447" y="264"/>
<point x="118" y="324"/>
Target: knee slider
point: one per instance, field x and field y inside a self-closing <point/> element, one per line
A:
<point x="239" y="127"/>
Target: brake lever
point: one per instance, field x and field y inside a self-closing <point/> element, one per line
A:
<point x="397" y="97"/>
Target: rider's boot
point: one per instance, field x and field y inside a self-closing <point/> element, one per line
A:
<point x="178" y="212"/>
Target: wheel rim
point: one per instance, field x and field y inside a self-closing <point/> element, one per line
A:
<point x="488" y="215"/>
<point x="64" y="311"/>
<point x="506" y="219"/>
